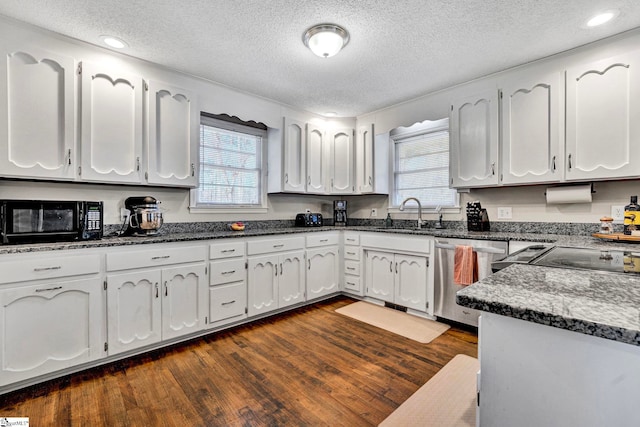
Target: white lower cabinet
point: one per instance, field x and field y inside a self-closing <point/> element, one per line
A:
<point x="396" y="270"/>
<point x="49" y="326"/>
<point x="227" y="283"/>
<point x="146" y="306"/>
<point x="323" y="271"/>
<point x="275" y="281"/>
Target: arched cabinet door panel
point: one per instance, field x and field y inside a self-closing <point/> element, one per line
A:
<point x="37" y="126"/>
<point x="111" y="125"/>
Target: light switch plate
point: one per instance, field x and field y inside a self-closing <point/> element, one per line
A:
<point x="504" y="213"/>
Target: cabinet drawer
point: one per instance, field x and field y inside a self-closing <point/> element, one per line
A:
<point x="227" y="249"/>
<point x="351" y="238"/>
<point x="352" y="253"/>
<point x="227" y="271"/>
<point x="274" y="245"/>
<point x="322" y="239"/>
<point x="227" y="301"/>
<point x="124" y="260"/>
<point x="32" y="268"/>
<point x="352" y="267"/>
<point x="394" y="243"/>
<point x="352" y="283"/>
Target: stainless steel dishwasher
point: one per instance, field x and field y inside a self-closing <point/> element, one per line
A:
<point x="445" y="287"/>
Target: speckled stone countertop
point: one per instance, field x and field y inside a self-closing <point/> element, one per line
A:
<point x="195" y="235"/>
<point x="605" y="305"/>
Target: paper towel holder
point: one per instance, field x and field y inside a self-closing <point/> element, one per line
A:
<point x="569" y="187"/>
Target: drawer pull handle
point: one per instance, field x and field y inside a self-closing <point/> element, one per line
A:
<point x="226" y="251"/>
<point x="229" y="302"/>
<point x="278" y="246"/>
<point x="351" y="253"/>
<point x="57" y="267"/>
<point x="351" y="240"/>
<point x="351" y="283"/>
<point x="324" y="240"/>
<point x="350" y="268"/>
<point x="49" y="289"/>
<point x="161" y="257"/>
<point x="228" y="272"/>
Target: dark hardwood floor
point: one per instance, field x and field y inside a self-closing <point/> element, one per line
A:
<point x="310" y="366"/>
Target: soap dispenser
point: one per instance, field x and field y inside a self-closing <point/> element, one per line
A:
<point x="388" y="221"/>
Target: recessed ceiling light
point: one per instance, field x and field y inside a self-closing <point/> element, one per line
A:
<point x="114" y="42"/>
<point x="602" y="18"/>
<point x="331" y="114"/>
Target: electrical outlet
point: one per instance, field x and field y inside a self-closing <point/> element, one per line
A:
<point x="374" y="212"/>
<point x="504" y="213"/>
<point x="617" y="213"/>
<point x="124" y="214"/>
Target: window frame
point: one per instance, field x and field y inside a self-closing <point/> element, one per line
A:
<point x="397" y="135"/>
<point x="196" y="207"/>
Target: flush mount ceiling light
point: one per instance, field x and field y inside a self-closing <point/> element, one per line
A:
<point x="602" y="18"/>
<point x="325" y="40"/>
<point x="113" y="42"/>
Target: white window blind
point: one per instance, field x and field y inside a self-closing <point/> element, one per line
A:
<point x="230" y="165"/>
<point x="421" y="168"/>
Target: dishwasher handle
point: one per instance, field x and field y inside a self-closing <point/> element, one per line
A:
<point x="476" y="249"/>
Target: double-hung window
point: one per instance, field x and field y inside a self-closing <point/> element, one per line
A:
<point x="232" y="174"/>
<point x="421" y="165"/>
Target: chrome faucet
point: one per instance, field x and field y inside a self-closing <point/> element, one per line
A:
<point x="420" y="222"/>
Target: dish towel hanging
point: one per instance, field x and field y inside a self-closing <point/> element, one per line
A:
<point x="465" y="265"/>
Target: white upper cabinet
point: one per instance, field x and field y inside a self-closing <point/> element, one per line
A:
<point x="37" y="93"/>
<point x="172" y="136"/>
<point x="474" y="141"/>
<point x="111" y="112"/>
<point x="602" y="126"/>
<point x="531" y="129"/>
<point x="364" y="165"/>
<point x="295" y="146"/>
<point x="341" y="161"/>
<point x="316" y="160"/>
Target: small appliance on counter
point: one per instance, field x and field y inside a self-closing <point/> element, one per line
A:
<point x="34" y="221"/>
<point x="477" y="218"/>
<point x="340" y="212"/>
<point x="145" y="216"/>
<point x="309" y="219"/>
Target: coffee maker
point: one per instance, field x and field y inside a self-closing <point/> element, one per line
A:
<point x="340" y="212"/>
<point x="145" y="217"/>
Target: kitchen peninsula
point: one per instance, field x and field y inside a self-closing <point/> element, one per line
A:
<point x="557" y="346"/>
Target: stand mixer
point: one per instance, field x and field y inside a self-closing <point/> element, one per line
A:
<point x="145" y="216"/>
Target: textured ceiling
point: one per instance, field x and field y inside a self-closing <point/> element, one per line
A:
<point x="398" y="50"/>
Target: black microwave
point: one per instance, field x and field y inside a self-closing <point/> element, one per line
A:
<point x="34" y="221"/>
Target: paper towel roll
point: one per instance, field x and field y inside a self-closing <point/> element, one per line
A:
<point x="569" y="194"/>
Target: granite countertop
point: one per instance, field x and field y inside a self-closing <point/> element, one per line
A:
<point x="166" y="237"/>
<point x="605" y="305"/>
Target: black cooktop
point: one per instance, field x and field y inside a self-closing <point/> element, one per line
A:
<point x="614" y="261"/>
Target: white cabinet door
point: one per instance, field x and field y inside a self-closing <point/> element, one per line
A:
<point x="172" y="135"/>
<point x="134" y="317"/>
<point x="341" y="161"/>
<point x="316" y="160"/>
<point x="294" y="152"/>
<point x="262" y="282"/>
<point x="37" y="126"/>
<point x="50" y="326"/>
<point x="364" y="147"/>
<point x="531" y="129"/>
<point x="411" y="281"/>
<point x="323" y="271"/>
<point x="602" y="126"/>
<point x="184" y="291"/>
<point x="380" y="275"/>
<point x="291" y="283"/>
<point x="111" y="125"/>
<point x="474" y="141"/>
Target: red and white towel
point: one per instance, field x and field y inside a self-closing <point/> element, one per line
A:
<point x="465" y="265"/>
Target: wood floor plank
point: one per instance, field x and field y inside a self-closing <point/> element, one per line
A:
<point x="308" y="367"/>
